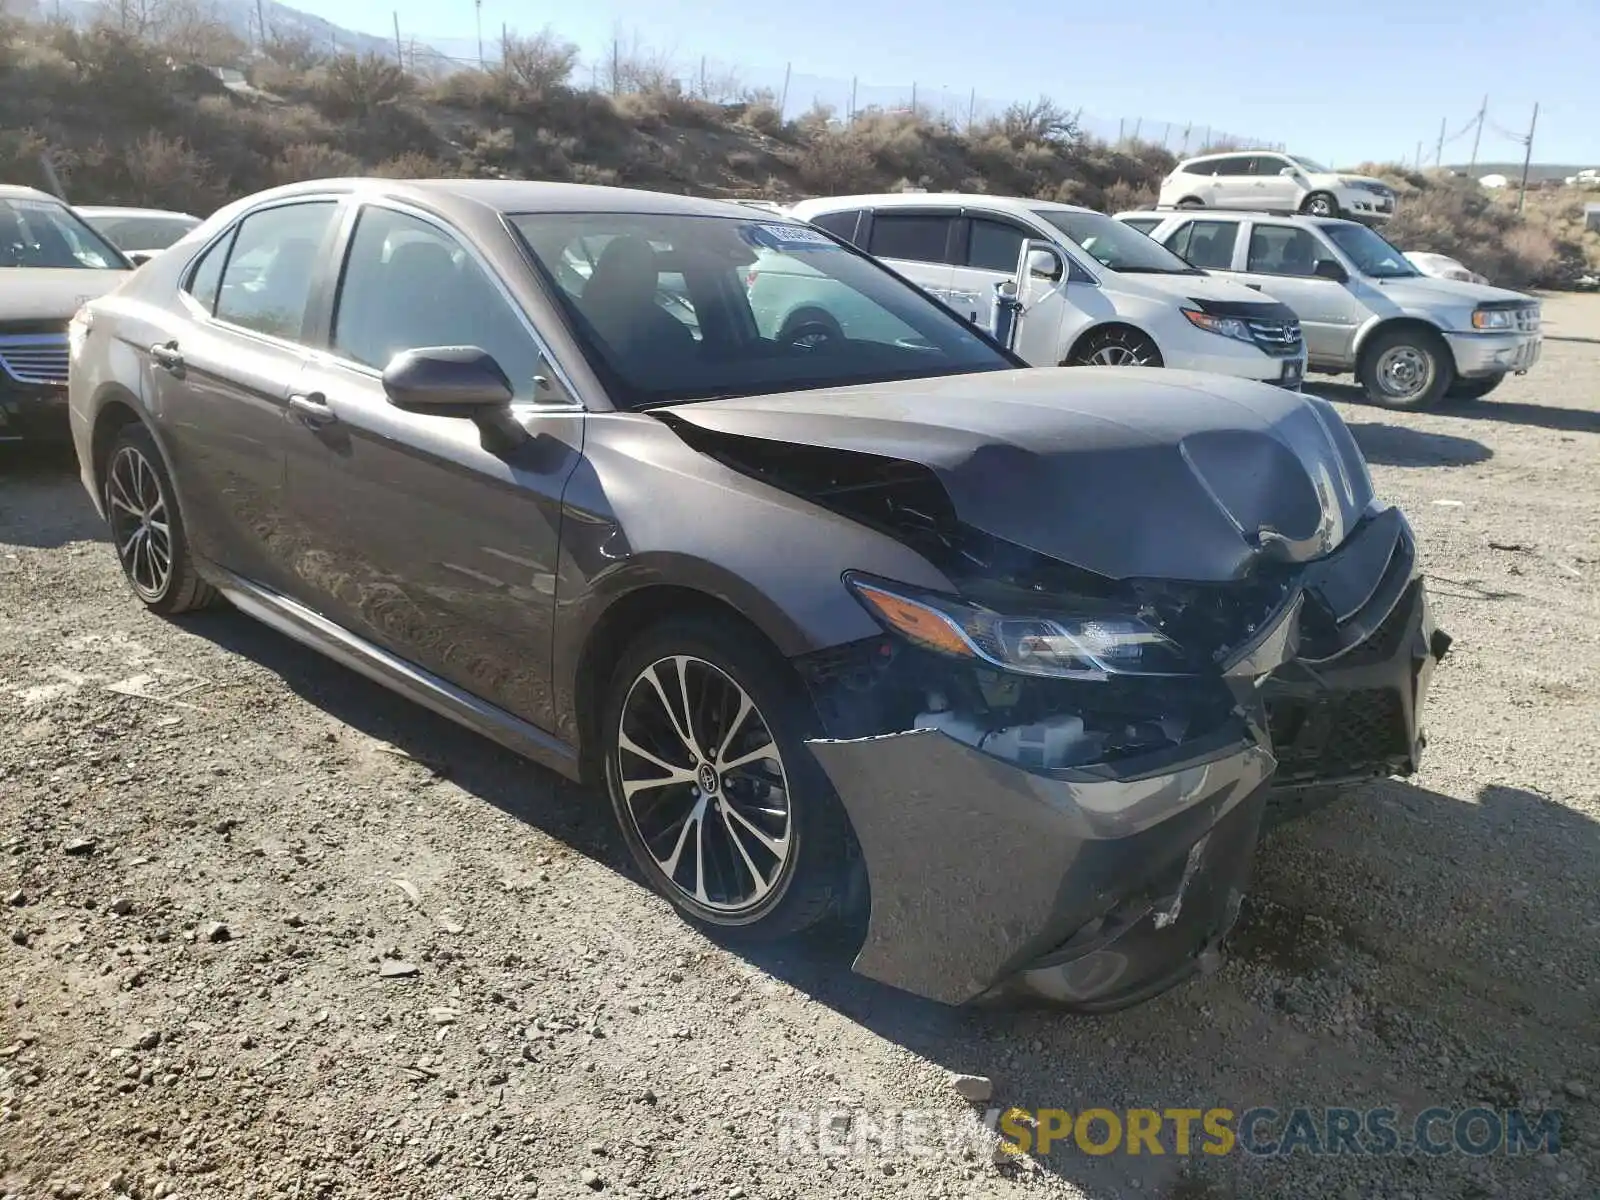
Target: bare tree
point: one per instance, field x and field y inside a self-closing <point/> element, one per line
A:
<point x="538" y="64"/>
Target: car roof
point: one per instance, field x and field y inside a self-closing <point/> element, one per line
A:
<point x="118" y="210"/>
<point x="1014" y="204"/>
<point x="1236" y="214"/>
<point x="13" y="191"/>
<point x="1234" y="154"/>
<point x="512" y="196"/>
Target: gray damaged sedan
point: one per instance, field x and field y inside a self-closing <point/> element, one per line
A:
<point x="1013" y="658"/>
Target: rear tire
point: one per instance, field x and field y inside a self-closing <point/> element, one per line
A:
<point x="1119" y="347"/>
<point x="1320" y="204"/>
<point x="756" y="848"/>
<point x="1409" y="369"/>
<point x="147" y="527"/>
<point x="1473" y="389"/>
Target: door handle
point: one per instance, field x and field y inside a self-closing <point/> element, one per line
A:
<point x="166" y="356"/>
<point x="312" y="409"/>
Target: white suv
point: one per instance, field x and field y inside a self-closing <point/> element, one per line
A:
<point x="1267" y="181"/>
<point x="1093" y="292"/>
<point x="1410" y="339"/>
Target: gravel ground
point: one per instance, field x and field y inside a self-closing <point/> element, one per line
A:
<point x="271" y="931"/>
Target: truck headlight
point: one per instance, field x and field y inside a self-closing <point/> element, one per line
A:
<point x="1089" y="646"/>
<point x="1493" y="318"/>
<point x="1228" y="327"/>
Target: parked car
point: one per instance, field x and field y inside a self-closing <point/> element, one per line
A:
<point x="1442" y="266"/>
<point x="51" y="263"/>
<point x="1013" y="655"/>
<point x="140" y="233"/>
<point x="1267" y="181"/>
<point x="1093" y="293"/>
<point x="1410" y="339"/>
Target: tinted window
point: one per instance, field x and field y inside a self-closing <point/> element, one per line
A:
<point x="995" y="246"/>
<point x="266" y="285"/>
<point x="840" y="224"/>
<point x="903" y="235"/>
<point x="1142" y="224"/>
<point x="1236" y="165"/>
<point x="43" y="233"/>
<point x="1267" y="164"/>
<point x="777" y="306"/>
<point x="1206" y="244"/>
<point x="408" y="284"/>
<point x="1283" y="250"/>
<point x="205" y="277"/>
<point x="1204" y="167"/>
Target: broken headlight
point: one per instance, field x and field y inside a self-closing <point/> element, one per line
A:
<point x="1087" y="645"/>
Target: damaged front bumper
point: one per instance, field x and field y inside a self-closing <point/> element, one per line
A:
<point x="1089" y="888"/>
<point x="1098" y="886"/>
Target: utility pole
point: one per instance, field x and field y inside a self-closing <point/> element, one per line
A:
<point x="1419" y="154"/>
<point x="1527" y="158"/>
<point x="853" y="82"/>
<point x="1438" y="150"/>
<point x="1483" y="113"/>
<point x="399" y="46"/>
<point x="616" y="67"/>
<point x="261" y="24"/>
<point x="783" y="98"/>
<point x="972" y="108"/>
<point x="478" y="5"/>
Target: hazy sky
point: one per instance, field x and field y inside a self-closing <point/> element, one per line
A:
<point x="1347" y="82"/>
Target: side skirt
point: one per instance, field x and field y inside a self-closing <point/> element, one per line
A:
<point x="295" y="621"/>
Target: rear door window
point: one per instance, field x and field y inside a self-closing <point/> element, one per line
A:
<point x="273" y="267"/>
<point x="915" y="237"/>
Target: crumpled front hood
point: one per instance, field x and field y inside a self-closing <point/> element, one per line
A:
<point x="1121" y="471"/>
<point x="48" y="294"/>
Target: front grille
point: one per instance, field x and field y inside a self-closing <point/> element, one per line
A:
<point x="1278" y="338"/>
<point x="1338" y="736"/>
<point x="34" y="357"/>
<point x="1528" y="319"/>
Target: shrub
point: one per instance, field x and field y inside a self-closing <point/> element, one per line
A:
<point x="357" y="87"/>
<point x="411" y="165"/>
<point x="533" y="66"/>
<point x="312" y="161"/>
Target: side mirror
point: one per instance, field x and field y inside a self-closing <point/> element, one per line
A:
<point x="1290" y="171"/>
<point x="456" y="381"/>
<point x="1327" y="268"/>
<point x="1041" y="260"/>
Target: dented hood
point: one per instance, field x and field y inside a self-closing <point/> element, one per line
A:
<point x="1121" y="471"/>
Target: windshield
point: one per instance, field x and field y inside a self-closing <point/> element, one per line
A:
<point x="1372" y="255"/>
<point x="143" y="232"/>
<point x="672" y="309"/>
<point x="1311" y="165"/>
<point x="42" y="233"/>
<point x="1114" y="245"/>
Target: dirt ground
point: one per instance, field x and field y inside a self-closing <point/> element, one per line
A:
<point x="215" y="847"/>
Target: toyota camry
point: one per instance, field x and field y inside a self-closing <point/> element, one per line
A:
<point x="1011" y="659"/>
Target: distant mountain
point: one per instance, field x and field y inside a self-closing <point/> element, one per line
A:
<point x="240" y="16"/>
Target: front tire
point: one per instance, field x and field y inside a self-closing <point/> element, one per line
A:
<point x="1408" y="369"/>
<point x="1474" y="389"/>
<point x="1320" y="204"/>
<point x="724" y="809"/>
<point x="1115" y="348"/>
<point x="147" y="528"/>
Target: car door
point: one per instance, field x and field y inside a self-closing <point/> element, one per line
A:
<point x="916" y="243"/>
<point x="1281" y="258"/>
<point x="987" y="251"/>
<point x="1232" y="186"/>
<point x="219" y="380"/>
<point x="416" y="536"/>
<point x="1273" y="190"/>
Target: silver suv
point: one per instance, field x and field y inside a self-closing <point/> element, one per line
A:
<point x="1410" y="339"/>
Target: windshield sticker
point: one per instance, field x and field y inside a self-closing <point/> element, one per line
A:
<point x="789" y="237"/>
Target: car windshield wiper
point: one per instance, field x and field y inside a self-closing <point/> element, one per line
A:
<point x="1157" y="270"/>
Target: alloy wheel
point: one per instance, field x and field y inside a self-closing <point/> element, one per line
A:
<point x="1117" y="355"/>
<point x="1404" y="372"/>
<point x="1320" y="206"/>
<point x="140" y="522"/>
<point x="703" y="785"/>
